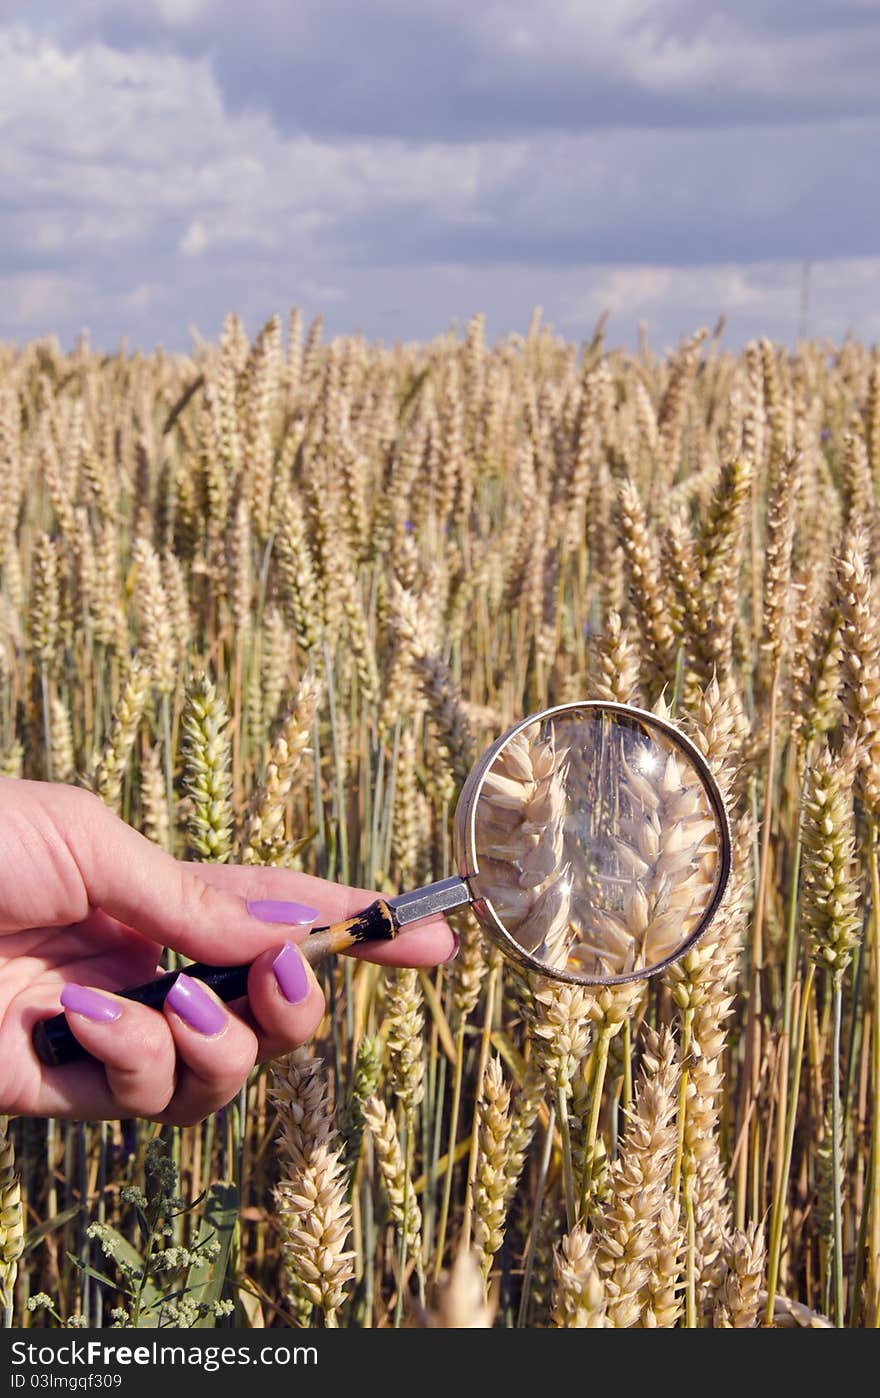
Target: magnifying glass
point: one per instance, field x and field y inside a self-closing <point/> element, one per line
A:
<point x="592" y="842"/>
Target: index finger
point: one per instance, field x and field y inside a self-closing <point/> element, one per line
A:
<point x="425" y="944"/>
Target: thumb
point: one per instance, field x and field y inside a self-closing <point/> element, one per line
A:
<point x="141" y="885"/>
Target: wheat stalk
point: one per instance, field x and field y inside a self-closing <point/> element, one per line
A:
<point x="11" y="1219"/>
<point x="490" y="1205"/>
<point x="265" y="836"/>
<point x="402" y="1203"/>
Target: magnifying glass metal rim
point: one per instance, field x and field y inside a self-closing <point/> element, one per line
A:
<point x="464" y="839"/>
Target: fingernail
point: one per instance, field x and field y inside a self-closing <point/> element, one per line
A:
<point x="291" y="974"/>
<point x="189" y="999"/>
<point x="276" y="910"/>
<point x="91" y="1004"/>
<point x="456" y="943"/>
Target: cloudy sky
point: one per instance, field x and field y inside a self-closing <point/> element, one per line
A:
<point x="399" y="164"/>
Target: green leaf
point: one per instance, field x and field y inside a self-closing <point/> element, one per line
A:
<point x="89" y="1271"/>
<point x="412" y="394"/>
<point x="124" y="1250"/>
<point x="42" y="1230"/>
<point x="250" y="1305"/>
<point x="204" y="1282"/>
<point x="151" y="1294"/>
<point x="298" y="847"/>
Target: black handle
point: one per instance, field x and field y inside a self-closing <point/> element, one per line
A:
<point x="55" y="1042"/>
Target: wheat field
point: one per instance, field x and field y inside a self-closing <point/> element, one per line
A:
<point x="270" y="600"/>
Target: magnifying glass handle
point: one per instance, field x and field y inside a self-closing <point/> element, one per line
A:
<point x="429" y="901"/>
<point x="55" y="1044"/>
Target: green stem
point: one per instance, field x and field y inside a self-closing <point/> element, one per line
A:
<point x="777" y="1217"/>
<point x="453" y="1132"/>
<point x="678" y="682"/>
<point x="169" y="755"/>
<point x="369" y="1231"/>
<point x="873" y="1309"/>
<point x="752" y="1065"/>
<point x="340" y="812"/>
<point x="142" y="1280"/>
<point x="686" y="1028"/>
<point x="51" y="1188"/>
<point x="540" y="1187"/>
<point x="82" y="1153"/>
<point x="791" y="926"/>
<point x="408" y="1153"/>
<point x="850" y="1056"/>
<point x="600" y="1066"/>
<point x="565" y="1133"/>
<point x="861" y="1250"/>
<point x="102" y="1211"/>
<point x="467" y="1220"/>
<point x="320" y="832"/>
<point x="836" y="1132"/>
<point x="627" y="1065"/>
<point x="690" y="1294"/>
<point x="47" y="722"/>
<point x="434" y="1111"/>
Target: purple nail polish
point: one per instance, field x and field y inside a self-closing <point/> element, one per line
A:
<point x="456" y="943"/>
<point x="291" y="974"/>
<point x="189" y="999"/>
<point x="276" y="910"/>
<point x="91" y="1004"/>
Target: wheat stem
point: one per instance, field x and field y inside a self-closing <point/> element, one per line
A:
<point x="777" y="1216"/>
<point x="597" y="1085"/>
<point x="752" y="1064"/>
<point x="873" y="1303"/>
<point x="467" y="1220"/>
<point x="836" y="1147"/>
<point x="453" y="1132"/>
<point x="537" y="1208"/>
<point x="47" y="721"/>
<point x="567" y="1170"/>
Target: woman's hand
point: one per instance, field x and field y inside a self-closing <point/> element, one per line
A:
<point x="86" y="906"/>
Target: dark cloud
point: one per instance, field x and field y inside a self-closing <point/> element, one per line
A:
<point x="447" y="70"/>
<point x="662" y="198"/>
<point x="773" y="19"/>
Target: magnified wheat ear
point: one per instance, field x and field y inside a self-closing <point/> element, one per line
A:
<point x="666" y="850"/>
<point x="520" y="820"/>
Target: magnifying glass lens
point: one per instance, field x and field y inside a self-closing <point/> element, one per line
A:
<point x="597" y="842"/>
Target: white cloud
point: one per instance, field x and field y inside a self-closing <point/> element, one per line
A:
<point x="103" y="149"/>
<point x="194" y="240"/>
<point x="677" y="49"/>
<point x="44" y="299"/>
<point x="320" y="293"/>
<point x="757" y="298"/>
<point x="140" y="298"/>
